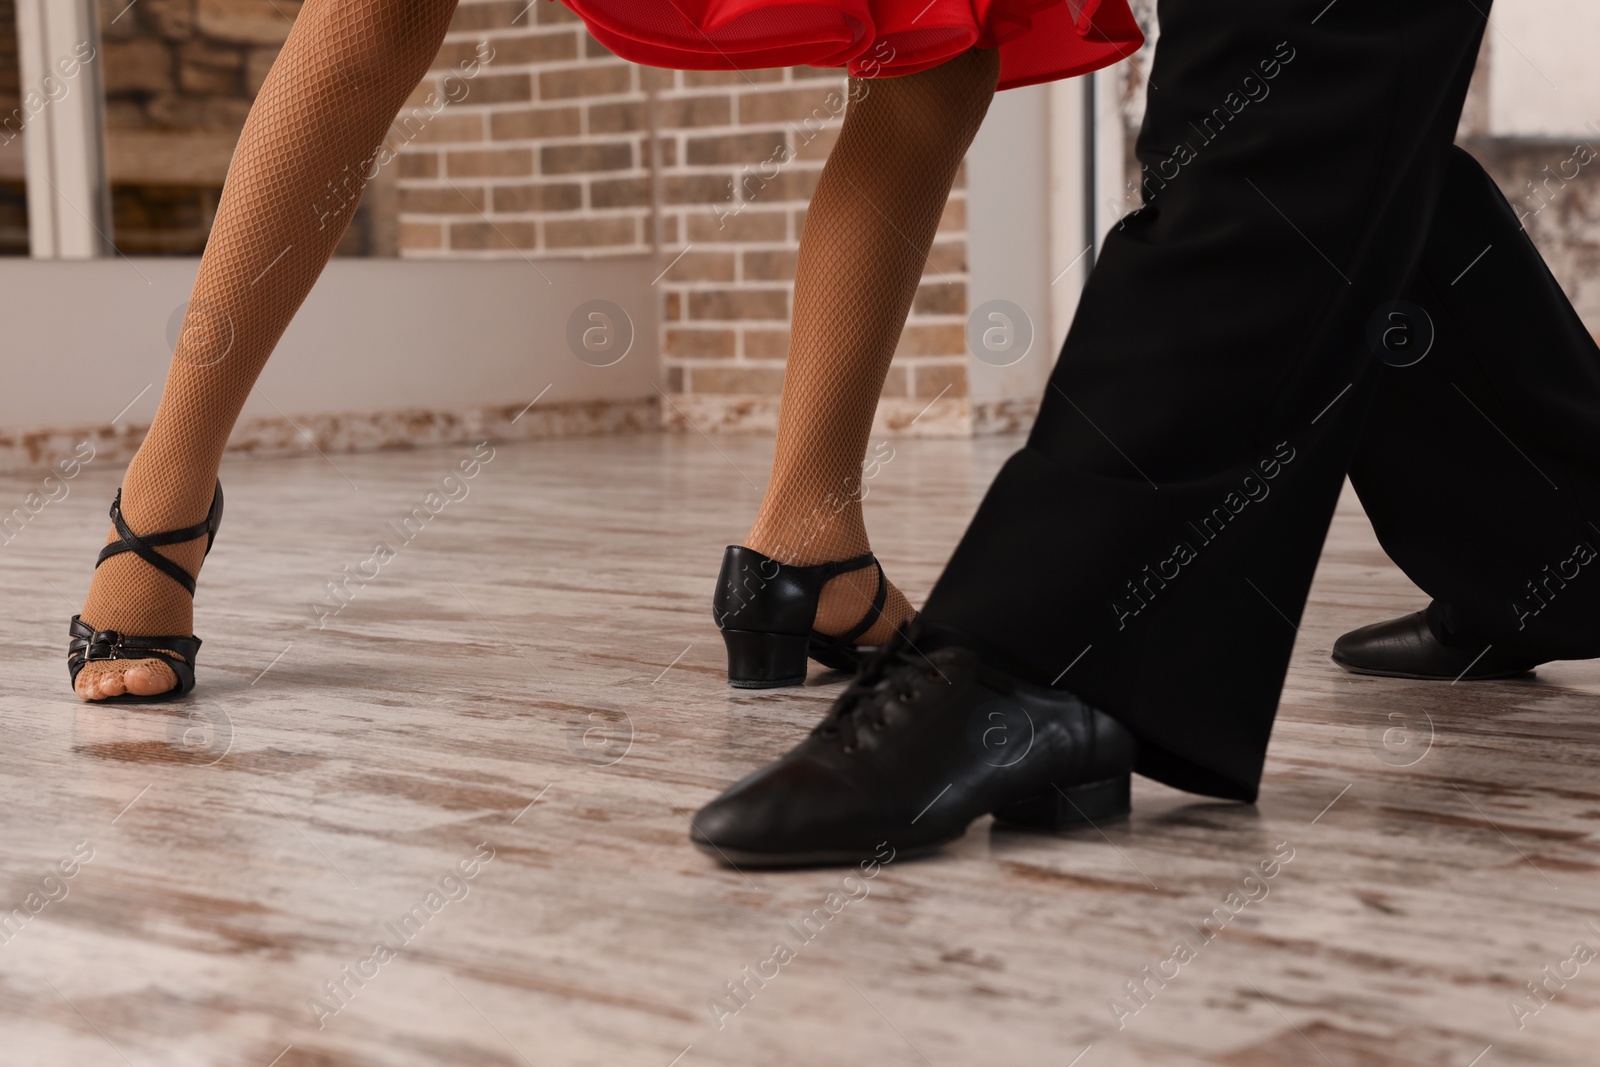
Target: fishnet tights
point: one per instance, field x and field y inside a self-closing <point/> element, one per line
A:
<point x="296" y="176"/>
<point x="867" y="234"/>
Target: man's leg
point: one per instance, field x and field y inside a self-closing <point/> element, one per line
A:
<point x="1480" y="463"/>
<point x="1125" y="597"/>
<point x="1151" y="548"/>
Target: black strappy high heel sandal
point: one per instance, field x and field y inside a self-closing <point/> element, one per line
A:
<point x="178" y="652"/>
<point x="766" y="610"/>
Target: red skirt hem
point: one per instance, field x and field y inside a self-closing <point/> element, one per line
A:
<point x="1039" y="40"/>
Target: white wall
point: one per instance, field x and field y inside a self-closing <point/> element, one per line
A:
<point x="1544" y="77"/>
<point x="1008" y="233"/>
<point x="1026" y="217"/>
<point x="84" y="338"/>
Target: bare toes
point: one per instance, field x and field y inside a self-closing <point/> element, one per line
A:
<point x="93" y="680"/>
<point x="101" y="681"/>
<point x="146" y="678"/>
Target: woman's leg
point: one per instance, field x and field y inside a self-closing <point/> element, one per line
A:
<point x="323" y="110"/>
<point x="866" y="240"/>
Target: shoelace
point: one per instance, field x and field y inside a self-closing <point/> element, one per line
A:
<point x="888" y="673"/>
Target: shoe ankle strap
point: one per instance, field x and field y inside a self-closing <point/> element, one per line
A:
<point x="144" y="547"/>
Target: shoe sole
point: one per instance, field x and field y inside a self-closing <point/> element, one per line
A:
<point x="1373" y="672"/>
<point x="1064" y="807"/>
<point x="778" y="684"/>
<point x="739" y="858"/>
<point x="1057" y="808"/>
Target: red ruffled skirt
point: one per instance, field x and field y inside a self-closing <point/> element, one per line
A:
<point x="1039" y="40"/>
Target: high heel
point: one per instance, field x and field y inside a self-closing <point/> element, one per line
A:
<point x="766" y="611"/>
<point x="177" y="651"/>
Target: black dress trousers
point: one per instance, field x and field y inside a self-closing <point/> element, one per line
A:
<point x="1319" y="283"/>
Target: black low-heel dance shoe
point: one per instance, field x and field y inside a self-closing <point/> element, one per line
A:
<point x="926" y="738"/>
<point x="178" y="652"/>
<point x="766" y="611"/>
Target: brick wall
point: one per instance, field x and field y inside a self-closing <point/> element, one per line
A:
<point x="728" y="298"/>
<point x="557" y="148"/>
<point x="13" y="192"/>
<point x="10" y="72"/>
<point x="543" y="150"/>
<point x="180" y="76"/>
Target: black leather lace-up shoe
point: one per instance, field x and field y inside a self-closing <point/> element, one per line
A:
<point x="916" y="748"/>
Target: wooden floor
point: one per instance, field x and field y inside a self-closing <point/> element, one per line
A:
<point x="530" y="691"/>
